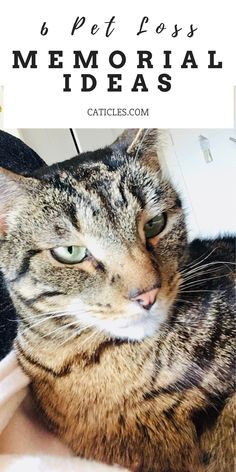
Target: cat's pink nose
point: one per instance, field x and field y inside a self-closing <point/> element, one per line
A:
<point x="147" y="299"/>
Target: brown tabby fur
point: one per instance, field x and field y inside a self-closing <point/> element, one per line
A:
<point x="163" y="403"/>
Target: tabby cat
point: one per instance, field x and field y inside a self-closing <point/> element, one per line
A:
<point x="125" y="329"/>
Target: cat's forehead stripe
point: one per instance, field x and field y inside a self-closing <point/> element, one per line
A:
<point x="105" y="197"/>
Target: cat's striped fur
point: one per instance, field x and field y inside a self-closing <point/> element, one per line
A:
<point x="152" y="391"/>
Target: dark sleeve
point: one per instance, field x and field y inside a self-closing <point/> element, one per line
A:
<point x="18" y="157"/>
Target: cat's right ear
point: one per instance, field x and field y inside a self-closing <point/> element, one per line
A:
<point x="12" y="192"/>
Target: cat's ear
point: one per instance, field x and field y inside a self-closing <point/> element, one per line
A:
<point x="13" y="189"/>
<point x="125" y="139"/>
<point x="138" y="143"/>
<point x="144" y="143"/>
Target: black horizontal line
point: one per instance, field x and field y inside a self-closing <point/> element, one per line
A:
<point x="41" y="296"/>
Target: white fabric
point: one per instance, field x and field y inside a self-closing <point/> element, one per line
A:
<point x="25" y="444"/>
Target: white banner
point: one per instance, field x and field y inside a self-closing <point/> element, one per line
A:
<point x="102" y="64"/>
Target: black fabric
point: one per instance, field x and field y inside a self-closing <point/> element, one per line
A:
<point x="18" y="157"/>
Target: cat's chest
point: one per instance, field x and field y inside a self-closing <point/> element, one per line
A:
<point x="99" y="394"/>
<point x="107" y="418"/>
<point x="89" y="403"/>
<point x="89" y="388"/>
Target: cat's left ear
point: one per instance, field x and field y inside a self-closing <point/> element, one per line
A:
<point x="13" y="192"/>
<point x="145" y="143"/>
<point x="138" y="143"/>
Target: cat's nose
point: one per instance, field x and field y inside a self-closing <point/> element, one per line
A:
<point x="146" y="299"/>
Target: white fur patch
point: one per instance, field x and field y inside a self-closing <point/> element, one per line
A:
<point x="135" y="324"/>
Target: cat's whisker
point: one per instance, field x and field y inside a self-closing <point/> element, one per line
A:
<point x="39" y="333"/>
<point x="199" y="272"/>
<point x="207" y="265"/>
<point x="46" y="318"/>
<point x="85" y="341"/>
<point x="67" y="340"/>
<point x="197" y="278"/>
<point x="200" y="259"/>
<point x="199" y="281"/>
<point x="53" y="314"/>
<point x="193" y="291"/>
<point x="185" y="301"/>
<point x="56" y="330"/>
<point x="205" y="272"/>
<point x="73" y="323"/>
<point x="92" y="336"/>
<point x="42" y="320"/>
<point x="63" y="329"/>
<point x="197" y="269"/>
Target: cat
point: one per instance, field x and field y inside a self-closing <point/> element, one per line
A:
<point x="125" y="329"/>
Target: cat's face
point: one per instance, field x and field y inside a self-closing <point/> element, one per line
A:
<point x="98" y="241"/>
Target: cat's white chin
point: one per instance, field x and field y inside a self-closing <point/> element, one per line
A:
<point x="135" y="328"/>
<point x="144" y="324"/>
<point x="136" y="325"/>
<point x="136" y="331"/>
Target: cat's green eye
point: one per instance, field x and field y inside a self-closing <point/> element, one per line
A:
<point x="70" y="254"/>
<point x="155" y="226"/>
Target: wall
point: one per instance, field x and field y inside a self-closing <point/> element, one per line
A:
<point x="53" y="145"/>
<point x="208" y="188"/>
